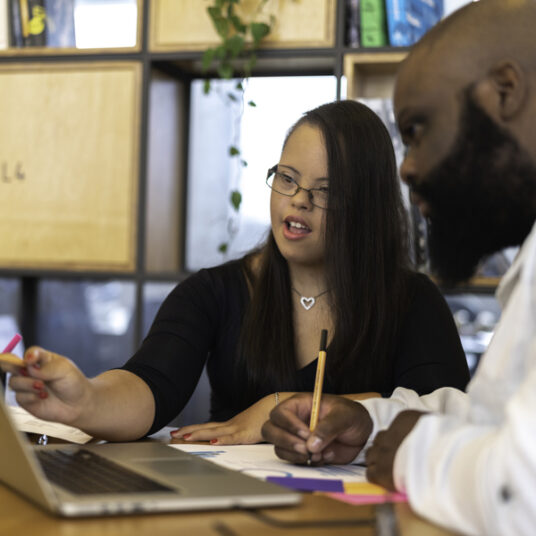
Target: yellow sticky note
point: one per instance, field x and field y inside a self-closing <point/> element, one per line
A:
<point x="363" y="488"/>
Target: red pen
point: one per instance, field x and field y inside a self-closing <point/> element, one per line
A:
<point x="12" y="360"/>
<point x="12" y="343"/>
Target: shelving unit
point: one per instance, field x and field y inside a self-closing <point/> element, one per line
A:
<point x="133" y="179"/>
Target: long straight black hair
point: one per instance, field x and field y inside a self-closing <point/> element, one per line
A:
<point x="366" y="263"/>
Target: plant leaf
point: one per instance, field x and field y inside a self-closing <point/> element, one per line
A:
<point x="235" y="45"/>
<point x="248" y="66"/>
<point x="238" y="25"/>
<point x="234" y="151"/>
<point x="252" y="104"/>
<point x="225" y="71"/>
<point x="259" y="30"/>
<point x="244" y="163"/>
<point x="236" y="199"/>
<point x="221" y="25"/>
<point x="214" y="11"/>
<point x="208" y="57"/>
<point x="219" y="52"/>
<point x="222" y="248"/>
<point x="206" y="86"/>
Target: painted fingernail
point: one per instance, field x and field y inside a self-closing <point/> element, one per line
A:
<point x="186" y="436"/>
<point x="213" y="441"/>
<point x="43" y="394"/>
<point x="38" y="385"/>
<point x="174" y="432"/>
<point x="24" y="372"/>
<point x="37" y="366"/>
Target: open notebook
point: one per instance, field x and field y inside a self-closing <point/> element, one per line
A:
<point x="122" y="478"/>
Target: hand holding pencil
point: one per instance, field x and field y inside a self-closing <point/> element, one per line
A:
<point x="316" y="428"/>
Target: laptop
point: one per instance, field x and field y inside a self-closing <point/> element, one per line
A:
<point x="153" y="477"/>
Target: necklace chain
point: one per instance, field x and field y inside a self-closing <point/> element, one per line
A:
<point x="308" y="302"/>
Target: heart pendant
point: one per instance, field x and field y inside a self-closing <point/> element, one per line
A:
<point x="307" y="303"/>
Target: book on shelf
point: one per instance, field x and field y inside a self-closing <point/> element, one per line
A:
<point x="409" y="20"/>
<point x="352" y="23"/>
<point x="422" y="15"/>
<point x="42" y="23"/>
<point x="14" y="24"/>
<point x="397" y="23"/>
<point x="373" y="23"/>
<point x="4" y="24"/>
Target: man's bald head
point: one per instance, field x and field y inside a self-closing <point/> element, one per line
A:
<point x="480" y="34"/>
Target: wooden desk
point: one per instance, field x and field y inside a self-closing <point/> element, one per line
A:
<point x="18" y="516"/>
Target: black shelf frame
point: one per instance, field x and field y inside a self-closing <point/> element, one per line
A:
<point x="184" y="66"/>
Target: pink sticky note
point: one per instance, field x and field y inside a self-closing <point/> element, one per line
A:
<point x="368" y="499"/>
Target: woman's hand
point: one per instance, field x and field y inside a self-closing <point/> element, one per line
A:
<point x="243" y="429"/>
<point x="50" y="386"/>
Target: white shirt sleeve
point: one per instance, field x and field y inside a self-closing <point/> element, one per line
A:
<point x="478" y="479"/>
<point x="383" y="410"/>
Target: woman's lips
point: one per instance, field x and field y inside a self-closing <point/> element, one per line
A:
<point x="294" y="229"/>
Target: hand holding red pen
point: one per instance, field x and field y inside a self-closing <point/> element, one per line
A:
<point x="49" y="386"/>
<point x="115" y="405"/>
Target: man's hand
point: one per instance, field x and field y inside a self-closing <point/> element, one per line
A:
<point x="381" y="455"/>
<point x="342" y="430"/>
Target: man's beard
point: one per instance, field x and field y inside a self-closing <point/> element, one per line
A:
<point x="481" y="196"/>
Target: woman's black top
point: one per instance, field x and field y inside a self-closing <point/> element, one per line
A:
<point x="199" y="323"/>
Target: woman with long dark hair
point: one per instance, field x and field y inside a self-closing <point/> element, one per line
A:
<point x="336" y="258"/>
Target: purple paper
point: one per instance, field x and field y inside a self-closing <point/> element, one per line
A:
<point x="308" y="484"/>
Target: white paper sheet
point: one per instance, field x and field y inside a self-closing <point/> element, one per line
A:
<point x="260" y="461"/>
<point x="26" y="422"/>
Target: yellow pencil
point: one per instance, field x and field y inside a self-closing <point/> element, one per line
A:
<point x="319" y="380"/>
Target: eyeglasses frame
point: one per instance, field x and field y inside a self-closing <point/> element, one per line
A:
<point x="310" y="194"/>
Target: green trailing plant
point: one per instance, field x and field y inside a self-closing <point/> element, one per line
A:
<point x="234" y="57"/>
<point x="236" y="53"/>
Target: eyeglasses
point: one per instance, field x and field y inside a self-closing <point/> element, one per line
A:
<point x="285" y="185"/>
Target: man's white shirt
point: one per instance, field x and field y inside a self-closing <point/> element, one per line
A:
<point x="470" y="464"/>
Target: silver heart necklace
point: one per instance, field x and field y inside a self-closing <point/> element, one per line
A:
<point x="308" y="301"/>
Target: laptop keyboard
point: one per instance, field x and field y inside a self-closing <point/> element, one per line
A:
<point x="83" y="472"/>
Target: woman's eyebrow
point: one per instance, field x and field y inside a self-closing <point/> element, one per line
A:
<point x="298" y="173"/>
<point x="290" y="168"/>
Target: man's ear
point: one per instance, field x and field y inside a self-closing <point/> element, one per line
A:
<point x="508" y="82"/>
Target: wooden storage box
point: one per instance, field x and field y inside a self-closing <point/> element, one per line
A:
<point x="69" y="164"/>
<point x="371" y="74"/>
<point x="185" y="25"/>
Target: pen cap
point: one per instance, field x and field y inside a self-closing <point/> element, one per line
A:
<point x="323" y="340"/>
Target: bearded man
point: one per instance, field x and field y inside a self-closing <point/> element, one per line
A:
<point x="465" y="103"/>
